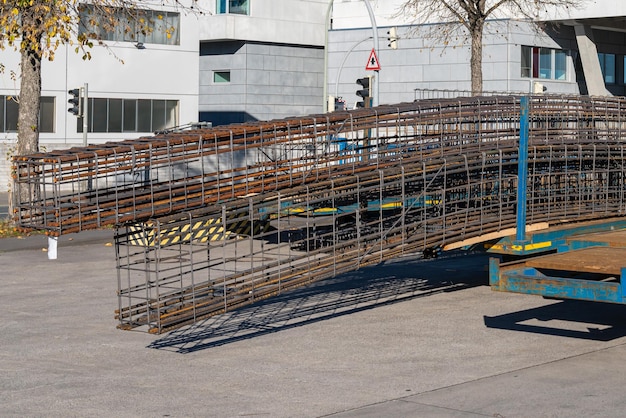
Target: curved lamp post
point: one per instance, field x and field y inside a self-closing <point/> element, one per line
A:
<point x="375" y="37"/>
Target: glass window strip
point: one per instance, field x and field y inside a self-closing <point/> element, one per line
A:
<point x="134" y="115"/>
<point x="544" y="63"/>
<point x="165" y="26"/>
<point x="9" y="113"/>
<point x="608" y="68"/>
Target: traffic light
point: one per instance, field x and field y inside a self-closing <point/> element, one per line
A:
<point x="392" y="37"/>
<point x="75" y="101"/>
<point x="364" y="92"/>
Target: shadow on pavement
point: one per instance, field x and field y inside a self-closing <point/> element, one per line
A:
<point x="365" y="289"/>
<point x="567" y="318"/>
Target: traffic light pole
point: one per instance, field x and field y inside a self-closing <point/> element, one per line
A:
<point x="85" y="113"/>
<point x="375" y="34"/>
<point x="80" y="109"/>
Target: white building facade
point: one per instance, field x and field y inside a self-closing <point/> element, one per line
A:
<point x="585" y="53"/>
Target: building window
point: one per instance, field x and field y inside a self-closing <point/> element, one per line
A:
<point x="221" y="77"/>
<point x="560" y="65"/>
<point x="129" y="25"/>
<point x="9" y="109"/>
<point x="545" y="63"/>
<point x="526" y="62"/>
<point x="239" y="7"/>
<point x="130" y="115"/>
<point x="607" y="65"/>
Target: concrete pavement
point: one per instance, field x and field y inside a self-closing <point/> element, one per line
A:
<point x="405" y="339"/>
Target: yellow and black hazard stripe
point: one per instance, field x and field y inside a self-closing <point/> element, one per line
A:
<point x="201" y="231"/>
<point x="148" y="235"/>
<point x="247" y="228"/>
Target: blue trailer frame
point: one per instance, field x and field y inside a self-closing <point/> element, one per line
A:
<point x="549" y="275"/>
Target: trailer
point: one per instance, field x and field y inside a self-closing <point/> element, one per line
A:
<point x="585" y="261"/>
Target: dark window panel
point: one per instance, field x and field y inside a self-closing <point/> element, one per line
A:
<point x="144" y="116"/>
<point x="130" y="115"/>
<point x="115" y="115"/>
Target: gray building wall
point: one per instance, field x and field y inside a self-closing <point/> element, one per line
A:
<point x="273" y="81"/>
<point x="267" y="81"/>
<point x="421" y="63"/>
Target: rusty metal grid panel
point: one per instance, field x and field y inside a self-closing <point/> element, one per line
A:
<point x="218" y="258"/>
<point x="85" y="188"/>
<point x="271" y="245"/>
<point x="110" y="184"/>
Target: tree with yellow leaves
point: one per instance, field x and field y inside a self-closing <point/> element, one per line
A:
<point x="36" y="28"/>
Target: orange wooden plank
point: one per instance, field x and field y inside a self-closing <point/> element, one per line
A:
<point x="602" y="260"/>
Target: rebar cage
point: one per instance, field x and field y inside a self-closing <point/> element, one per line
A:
<point x="209" y="220"/>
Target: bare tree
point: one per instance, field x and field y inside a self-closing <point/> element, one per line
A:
<point x="472" y="15"/>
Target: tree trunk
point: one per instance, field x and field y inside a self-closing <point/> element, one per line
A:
<point x="476" y="59"/>
<point x="29" y="105"/>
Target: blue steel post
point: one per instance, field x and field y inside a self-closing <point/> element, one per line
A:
<point x="522" y="170"/>
<point x="622" y="285"/>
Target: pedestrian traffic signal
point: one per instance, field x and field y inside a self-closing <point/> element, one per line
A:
<point x="75" y="101"/>
<point x="392" y="37"/>
<point x="364" y="92"/>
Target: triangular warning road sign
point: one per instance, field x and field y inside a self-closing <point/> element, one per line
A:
<point x="372" y="62"/>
